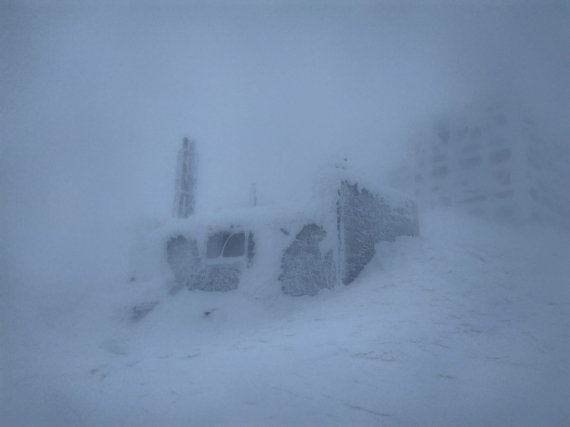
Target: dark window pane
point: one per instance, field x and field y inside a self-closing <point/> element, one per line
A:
<point x="216" y="244"/>
<point x="235" y="245"/>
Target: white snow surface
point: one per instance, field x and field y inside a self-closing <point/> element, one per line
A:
<point x="468" y="325"/>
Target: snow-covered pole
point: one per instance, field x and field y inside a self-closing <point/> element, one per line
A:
<point x="253" y="194"/>
<point x="186" y="176"/>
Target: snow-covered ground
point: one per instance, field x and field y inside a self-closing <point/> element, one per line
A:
<point x="468" y="325"/>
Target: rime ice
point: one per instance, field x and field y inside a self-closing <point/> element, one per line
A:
<point x="305" y="248"/>
<point x="186" y="175"/>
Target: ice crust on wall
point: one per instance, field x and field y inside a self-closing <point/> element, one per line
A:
<point x="304" y="268"/>
<point x="297" y="251"/>
<point x="186" y="176"/>
<point x="268" y="232"/>
<point x="365" y="219"/>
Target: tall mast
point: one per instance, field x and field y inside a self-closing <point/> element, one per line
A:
<point x="186" y="175"/>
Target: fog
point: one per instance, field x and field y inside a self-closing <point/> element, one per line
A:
<point x="97" y="96"/>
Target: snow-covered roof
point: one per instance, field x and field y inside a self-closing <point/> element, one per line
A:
<point x="245" y="217"/>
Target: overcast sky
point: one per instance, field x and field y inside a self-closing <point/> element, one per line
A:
<point x="96" y="96"/>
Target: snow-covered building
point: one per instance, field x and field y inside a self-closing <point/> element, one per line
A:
<point x="495" y="164"/>
<point x="297" y="251"/>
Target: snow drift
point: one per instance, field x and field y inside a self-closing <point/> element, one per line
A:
<point x="467" y="325"/>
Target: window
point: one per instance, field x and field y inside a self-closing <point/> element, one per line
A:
<point x="235" y="245"/>
<point x="226" y="244"/>
<point x="216" y="244"/>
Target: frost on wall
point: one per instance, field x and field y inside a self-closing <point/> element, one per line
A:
<point x="250" y="249"/>
<point x="222" y="277"/>
<point x="359" y="225"/>
<point x="207" y="274"/>
<point x="336" y="241"/>
<point x="183" y="257"/>
<point x="304" y="269"/>
<point x="365" y="219"/>
<point x="185" y="192"/>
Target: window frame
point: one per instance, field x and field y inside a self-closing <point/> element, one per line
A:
<point x="227" y="235"/>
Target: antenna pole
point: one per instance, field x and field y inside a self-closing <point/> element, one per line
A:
<point x="186" y="176"/>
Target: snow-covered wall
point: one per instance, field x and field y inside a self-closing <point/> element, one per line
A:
<point x="366" y="218"/>
<point x="262" y="250"/>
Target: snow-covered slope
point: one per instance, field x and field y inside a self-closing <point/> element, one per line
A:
<point x="468" y="325"/>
